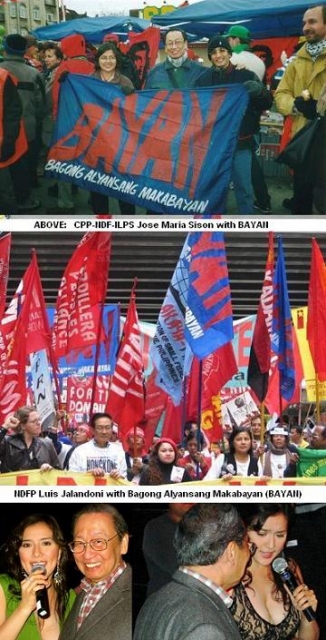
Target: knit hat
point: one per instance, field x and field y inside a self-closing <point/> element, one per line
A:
<point x="237" y="31"/>
<point x="15" y="44"/>
<point x="218" y="42"/>
<point x="169" y="441"/>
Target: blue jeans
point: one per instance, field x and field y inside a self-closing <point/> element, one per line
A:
<point x="241" y="178"/>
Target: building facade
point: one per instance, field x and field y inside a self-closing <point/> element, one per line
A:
<point x="22" y="16"/>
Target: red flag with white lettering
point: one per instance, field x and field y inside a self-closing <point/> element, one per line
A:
<point x="83" y="287"/>
<point x="25" y="329"/>
<point x="126" y="402"/>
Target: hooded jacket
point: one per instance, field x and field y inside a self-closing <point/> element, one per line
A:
<point x="74" y="49"/>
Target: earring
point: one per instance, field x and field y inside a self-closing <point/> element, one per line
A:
<point x="57" y="577"/>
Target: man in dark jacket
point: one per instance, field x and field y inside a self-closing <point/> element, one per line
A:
<point x="30" y="87"/>
<point x="102" y="608"/>
<point x="212" y="553"/>
<point x="223" y="72"/>
<point x="24" y="450"/>
<point x="177" y="72"/>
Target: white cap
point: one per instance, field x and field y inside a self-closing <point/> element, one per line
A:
<point x="279" y="431"/>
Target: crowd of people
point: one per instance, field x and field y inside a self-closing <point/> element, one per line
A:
<point x="213" y="573"/>
<point x="38" y="69"/>
<point x="96" y="448"/>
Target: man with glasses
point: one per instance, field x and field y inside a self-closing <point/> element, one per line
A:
<point x="99" y="456"/>
<point x="177" y="72"/>
<point x="102" y="609"/>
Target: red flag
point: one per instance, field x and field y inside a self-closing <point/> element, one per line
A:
<point x="218" y="369"/>
<point x="260" y="352"/>
<point x="143" y="49"/>
<point x="316" y="321"/>
<point x="82" y="288"/>
<point x="26" y="331"/>
<point x="5" y="243"/>
<point x="126" y="401"/>
<point x="155" y="404"/>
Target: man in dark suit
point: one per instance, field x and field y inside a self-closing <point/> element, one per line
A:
<point x="103" y="607"/>
<point x="212" y="553"/>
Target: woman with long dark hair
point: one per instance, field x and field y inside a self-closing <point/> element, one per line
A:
<point x="163" y="465"/>
<point x="108" y="65"/>
<point x="262" y="606"/>
<point x="240" y="459"/>
<point x="36" y="558"/>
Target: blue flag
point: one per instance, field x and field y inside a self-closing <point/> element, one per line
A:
<point x="196" y="315"/>
<point x="169" y="151"/>
<point x="208" y="319"/>
<point x="282" y="328"/>
<point x="168" y="350"/>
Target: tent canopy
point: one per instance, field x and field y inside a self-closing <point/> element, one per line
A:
<point x="93" y="29"/>
<point x="263" y="18"/>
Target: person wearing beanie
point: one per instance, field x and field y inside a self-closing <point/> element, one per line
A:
<point x="177" y="72"/>
<point x="223" y="72"/>
<point x="163" y="465"/>
<point x="31" y="92"/>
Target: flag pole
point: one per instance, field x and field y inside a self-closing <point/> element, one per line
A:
<point x="200" y="388"/>
<point x="97" y="355"/>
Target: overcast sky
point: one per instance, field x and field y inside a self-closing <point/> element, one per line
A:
<point x="98" y="7"/>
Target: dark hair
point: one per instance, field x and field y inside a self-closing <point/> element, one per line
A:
<point x="13" y="563"/>
<point x="108" y="46"/>
<point x="235" y="433"/>
<point x="205" y="531"/>
<point x="323" y="426"/>
<point x="55" y="48"/>
<point x="97" y="416"/>
<point x="266" y="50"/>
<point x="254" y="517"/>
<point x="183" y="33"/>
<point x="153" y="474"/>
<point x="119" y="522"/>
<point x="196" y="435"/>
<point x="297" y="427"/>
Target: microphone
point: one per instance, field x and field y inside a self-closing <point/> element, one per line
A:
<point x="42" y="599"/>
<point x="281" y="567"/>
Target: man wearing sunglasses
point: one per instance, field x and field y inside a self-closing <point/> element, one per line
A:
<point x="102" y="609"/>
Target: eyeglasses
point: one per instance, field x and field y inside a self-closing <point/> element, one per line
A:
<point x="97" y="544"/>
<point x="177" y="43"/>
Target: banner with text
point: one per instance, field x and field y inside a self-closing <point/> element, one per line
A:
<point x="168" y="151"/>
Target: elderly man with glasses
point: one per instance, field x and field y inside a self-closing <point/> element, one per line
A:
<point x="102" y="609"/>
<point x="99" y="456"/>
